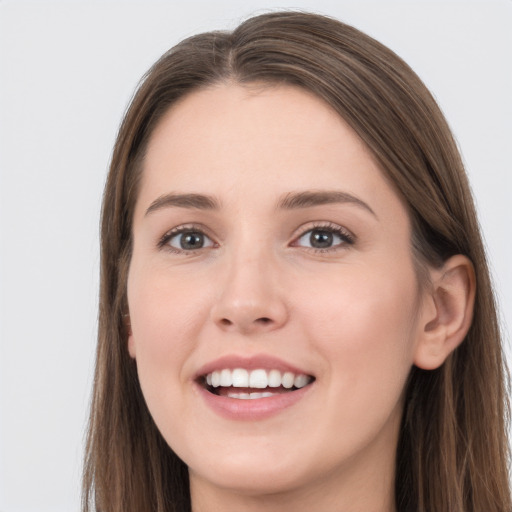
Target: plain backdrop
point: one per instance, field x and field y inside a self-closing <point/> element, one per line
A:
<point x="67" y="73"/>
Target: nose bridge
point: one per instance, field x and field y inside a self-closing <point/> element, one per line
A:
<point x="251" y="299"/>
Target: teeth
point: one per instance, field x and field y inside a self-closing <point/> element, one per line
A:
<point x="250" y="396"/>
<point x="258" y="379"/>
<point x="301" y="381"/>
<point x="274" y="378"/>
<point x="288" y="380"/>
<point x="240" y="378"/>
<point x="225" y="378"/>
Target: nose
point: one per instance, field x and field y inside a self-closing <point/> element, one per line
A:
<point x="251" y="300"/>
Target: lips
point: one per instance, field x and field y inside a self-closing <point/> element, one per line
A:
<point x="248" y="388"/>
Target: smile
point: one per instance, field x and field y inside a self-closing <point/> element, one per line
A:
<point x="243" y="384"/>
<point x="252" y="388"/>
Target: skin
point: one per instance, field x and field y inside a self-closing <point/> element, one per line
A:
<point x="353" y="315"/>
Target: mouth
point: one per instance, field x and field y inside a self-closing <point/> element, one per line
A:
<point x="245" y="384"/>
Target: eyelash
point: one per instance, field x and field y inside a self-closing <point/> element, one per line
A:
<point x="163" y="243"/>
<point x="346" y="237"/>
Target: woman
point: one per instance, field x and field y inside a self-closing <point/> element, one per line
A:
<point x="296" y="311"/>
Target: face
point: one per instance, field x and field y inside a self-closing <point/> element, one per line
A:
<point x="273" y="301"/>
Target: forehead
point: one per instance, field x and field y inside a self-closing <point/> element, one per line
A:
<point x="230" y="139"/>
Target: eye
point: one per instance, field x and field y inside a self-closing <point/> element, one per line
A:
<point x="325" y="238"/>
<point x="186" y="240"/>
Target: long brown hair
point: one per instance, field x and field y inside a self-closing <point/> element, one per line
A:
<point x="452" y="452"/>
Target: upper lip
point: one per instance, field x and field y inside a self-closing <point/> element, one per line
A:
<point x="260" y="361"/>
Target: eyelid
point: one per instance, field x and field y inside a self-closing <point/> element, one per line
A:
<point x="163" y="241"/>
<point x="346" y="235"/>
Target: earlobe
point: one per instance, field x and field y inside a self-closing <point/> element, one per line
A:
<point x="131" y="346"/>
<point x="131" y="342"/>
<point x="446" y="313"/>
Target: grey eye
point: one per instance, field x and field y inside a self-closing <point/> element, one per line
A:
<point x="321" y="238"/>
<point x="190" y="240"/>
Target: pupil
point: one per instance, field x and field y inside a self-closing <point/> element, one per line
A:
<point x="320" y="239"/>
<point x="192" y="241"/>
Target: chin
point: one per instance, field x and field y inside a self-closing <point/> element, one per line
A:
<point x="251" y="480"/>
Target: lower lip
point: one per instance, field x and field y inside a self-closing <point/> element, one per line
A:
<point x="254" y="408"/>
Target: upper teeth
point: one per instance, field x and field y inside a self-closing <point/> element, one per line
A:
<point x="241" y="378"/>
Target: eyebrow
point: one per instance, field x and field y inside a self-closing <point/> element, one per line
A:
<point x="291" y="201"/>
<point x="308" y="199"/>
<point x="195" y="201"/>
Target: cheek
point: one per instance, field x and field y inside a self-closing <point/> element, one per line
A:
<point x="166" y="316"/>
<point x="165" y="322"/>
<point x="163" y="302"/>
<point x="364" y="322"/>
<point x="364" y="329"/>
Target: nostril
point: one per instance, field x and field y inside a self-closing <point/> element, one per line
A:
<point x="226" y="322"/>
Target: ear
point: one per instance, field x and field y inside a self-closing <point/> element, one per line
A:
<point x="131" y="342"/>
<point x="446" y="313"/>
